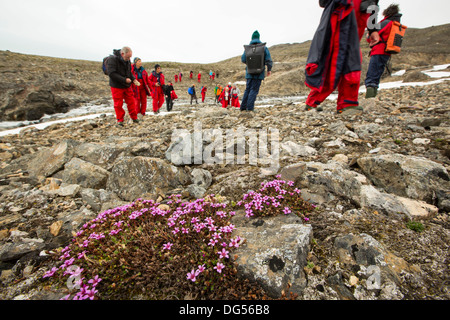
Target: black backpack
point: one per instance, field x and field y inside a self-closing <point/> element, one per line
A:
<point x="255" y="54"/>
<point x="105" y="64"/>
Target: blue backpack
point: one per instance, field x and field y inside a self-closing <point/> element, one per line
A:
<point x="191" y="90"/>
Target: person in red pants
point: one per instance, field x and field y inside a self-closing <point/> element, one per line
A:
<point x="199" y="77"/>
<point x="156" y="81"/>
<point x="334" y="59"/>
<point x="118" y="68"/>
<point x="225" y="98"/>
<point x="235" y="92"/>
<point x="140" y="92"/>
<point x="203" y="92"/>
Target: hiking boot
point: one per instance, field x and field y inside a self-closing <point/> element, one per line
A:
<point x="136" y="121"/>
<point x="350" y="111"/>
<point x="371" y="92"/>
<point x="309" y="108"/>
<point x="119" y="124"/>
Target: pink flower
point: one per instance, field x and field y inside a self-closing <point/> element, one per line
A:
<point x="95" y="281"/>
<point x="287" y="210"/>
<point x="201" y="268"/>
<point x="167" y="246"/>
<point x="50" y="273"/>
<point x="306" y="219"/>
<point x="219" y="267"/>
<point x="191" y="275"/>
<point x="223" y="254"/>
<point x="212" y="242"/>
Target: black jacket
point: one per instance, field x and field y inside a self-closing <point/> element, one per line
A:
<point x="118" y="71"/>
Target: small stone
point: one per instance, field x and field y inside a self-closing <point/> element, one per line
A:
<point x="55" y="228"/>
<point x="353" y="281"/>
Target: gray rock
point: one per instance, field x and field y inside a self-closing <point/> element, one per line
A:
<point x="277" y="261"/>
<point x="50" y="160"/>
<point x="407" y="176"/>
<point x="85" y="174"/>
<point x="131" y="178"/>
<point x="201" y="177"/>
<point x="12" y="251"/>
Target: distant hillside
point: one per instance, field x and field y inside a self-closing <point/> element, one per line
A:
<point x="30" y="84"/>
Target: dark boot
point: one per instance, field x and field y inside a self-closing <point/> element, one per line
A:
<point x="371" y="92"/>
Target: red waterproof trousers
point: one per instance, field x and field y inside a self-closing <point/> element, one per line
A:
<point x="348" y="86"/>
<point x="141" y="99"/>
<point x="158" y="99"/>
<point x="119" y="95"/>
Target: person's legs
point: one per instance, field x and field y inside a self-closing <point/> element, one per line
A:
<point x="377" y="65"/>
<point x="348" y="91"/>
<point x="142" y="103"/>
<point x="253" y="86"/>
<point x="118" y="96"/>
<point x="131" y="103"/>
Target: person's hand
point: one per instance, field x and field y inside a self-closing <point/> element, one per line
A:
<point x="137" y="83"/>
<point x="128" y="80"/>
<point x="269" y="73"/>
<point x="374" y="38"/>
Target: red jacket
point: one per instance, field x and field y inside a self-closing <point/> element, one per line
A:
<point x="144" y="81"/>
<point x="153" y="79"/>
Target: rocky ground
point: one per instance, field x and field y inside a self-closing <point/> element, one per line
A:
<point x="370" y="175"/>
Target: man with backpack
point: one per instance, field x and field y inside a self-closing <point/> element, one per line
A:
<point x="379" y="55"/>
<point x="191" y="91"/>
<point x="256" y="56"/>
<point x="118" y="68"/>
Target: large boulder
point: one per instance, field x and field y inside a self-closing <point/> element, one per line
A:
<point x="324" y="182"/>
<point x="135" y="177"/>
<point x="48" y="161"/>
<point x="277" y="262"/>
<point x="408" y="176"/>
<point x="85" y="174"/>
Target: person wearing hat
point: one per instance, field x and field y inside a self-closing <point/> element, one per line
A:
<point x="254" y="81"/>
<point x="379" y="58"/>
<point x="157" y="81"/>
<point x="142" y="91"/>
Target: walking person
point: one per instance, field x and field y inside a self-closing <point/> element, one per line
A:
<point x="156" y="81"/>
<point x="168" y="93"/>
<point x="235" y="92"/>
<point x="203" y="93"/>
<point x="225" y="97"/>
<point x="334" y="59"/>
<point x="120" y="80"/>
<point x="193" y="94"/>
<point x="140" y="92"/>
<point x="199" y="77"/>
<point x="378" y="55"/>
<point x="254" y="80"/>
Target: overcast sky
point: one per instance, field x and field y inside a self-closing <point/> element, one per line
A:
<point x="195" y="31"/>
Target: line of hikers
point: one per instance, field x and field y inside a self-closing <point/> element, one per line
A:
<point x="334" y="62"/>
<point x="131" y="83"/>
<point x="228" y="96"/>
